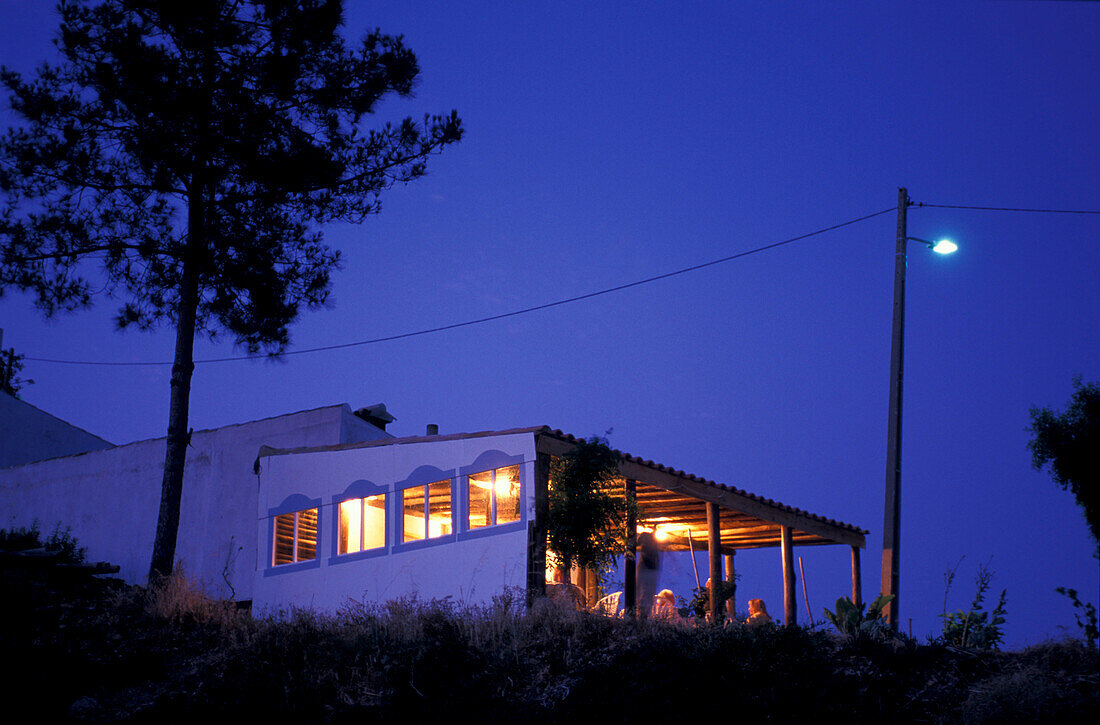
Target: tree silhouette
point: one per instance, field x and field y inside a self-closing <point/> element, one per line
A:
<point x="1070" y="443"/>
<point x="588" y="506"/>
<point x="183" y="155"/>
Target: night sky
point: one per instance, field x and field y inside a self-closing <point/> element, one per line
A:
<point x="607" y="144"/>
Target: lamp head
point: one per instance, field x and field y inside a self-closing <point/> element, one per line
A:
<point x="945" y="246"/>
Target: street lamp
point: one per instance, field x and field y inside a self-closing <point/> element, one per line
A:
<point x="891" y="528"/>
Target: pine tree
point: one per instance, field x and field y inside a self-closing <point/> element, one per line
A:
<point x="185" y="155"/>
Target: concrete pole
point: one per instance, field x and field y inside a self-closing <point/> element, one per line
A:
<point x="891" y="526"/>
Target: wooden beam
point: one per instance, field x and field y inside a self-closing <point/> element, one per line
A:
<point x="770" y="539"/>
<point x="739" y="502"/>
<point x="630" y="591"/>
<point x="857" y="578"/>
<point x="714" y="558"/>
<point x="649" y="475"/>
<point x="731" y="577"/>
<point x="536" y="531"/>
<point x="790" y="600"/>
<point x="774" y="544"/>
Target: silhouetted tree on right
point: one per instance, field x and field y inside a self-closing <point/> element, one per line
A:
<point x="1070" y="443"/>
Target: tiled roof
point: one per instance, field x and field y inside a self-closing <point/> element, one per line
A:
<point x="698" y="479"/>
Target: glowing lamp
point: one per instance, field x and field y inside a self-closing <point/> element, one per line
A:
<point x="944" y="246"/>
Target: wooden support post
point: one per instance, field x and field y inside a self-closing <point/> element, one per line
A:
<point x="857" y="577"/>
<point x="536" y="531"/>
<point x="630" y="587"/>
<point x="731" y="577"/>
<point x="714" y="558"/>
<point x="790" y="600"/>
<point x="592" y="588"/>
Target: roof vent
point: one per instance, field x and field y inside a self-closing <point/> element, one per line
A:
<point x="376" y="415"/>
<point x="433" y="429"/>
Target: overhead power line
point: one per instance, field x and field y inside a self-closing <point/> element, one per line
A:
<point x="1008" y="208"/>
<point x="578" y="298"/>
<point x="501" y="316"/>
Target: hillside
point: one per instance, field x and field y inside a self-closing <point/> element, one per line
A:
<point x="93" y="650"/>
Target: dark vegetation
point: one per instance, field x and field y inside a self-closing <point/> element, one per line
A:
<point x="587" y="510"/>
<point x="94" y="650"/>
<point x="11" y="363"/>
<point x="1069" y="443"/>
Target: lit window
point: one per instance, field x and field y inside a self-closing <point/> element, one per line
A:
<point x="295" y="537"/>
<point x="427" y="520"/>
<point x="493" y="497"/>
<point x="362" y="524"/>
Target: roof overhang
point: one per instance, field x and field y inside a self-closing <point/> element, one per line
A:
<point x="667" y="498"/>
<point x="675" y="503"/>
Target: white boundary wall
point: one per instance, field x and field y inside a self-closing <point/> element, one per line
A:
<point x="111" y="498"/>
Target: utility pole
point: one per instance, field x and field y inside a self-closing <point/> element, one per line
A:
<point x="891" y="526"/>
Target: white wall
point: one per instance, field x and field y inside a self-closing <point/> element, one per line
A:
<point x="111" y="498"/>
<point x="28" y="434"/>
<point x="468" y="569"/>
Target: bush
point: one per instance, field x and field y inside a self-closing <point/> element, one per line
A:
<point x="973" y="628"/>
<point x="64" y="542"/>
<point x="61" y="541"/>
<point x="1084" y="614"/>
<point x="20" y="539"/>
<point x="850" y="620"/>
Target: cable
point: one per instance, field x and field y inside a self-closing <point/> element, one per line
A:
<point x="500" y="316"/>
<point x="1009" y="208"/>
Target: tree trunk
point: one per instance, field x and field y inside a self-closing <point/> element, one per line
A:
<point x="175" y="455"/>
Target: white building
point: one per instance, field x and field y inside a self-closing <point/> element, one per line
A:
<point x="110" y="497"/>
<point x="319" y="507"/>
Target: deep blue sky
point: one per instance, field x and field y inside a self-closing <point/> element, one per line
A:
<point x="606" y="144"/>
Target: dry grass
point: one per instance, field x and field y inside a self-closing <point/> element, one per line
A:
<point x="178" y="599"/>
<point x="174" y="654"/>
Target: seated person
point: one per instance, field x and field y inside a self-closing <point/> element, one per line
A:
<point x="664" y="607"/>
<point x="758" y="613"/>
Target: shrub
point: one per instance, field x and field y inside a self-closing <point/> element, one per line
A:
<point x="20" y="539"/>
<point x="1085" y="615"/>
<point x="61" y="541"/>
<point x="850" y="620"/>
<point x="64" y="542"/>
<point x="973" y="628"/>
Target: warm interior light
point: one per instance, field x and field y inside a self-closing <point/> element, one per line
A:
<point x="504" y="486"/>
<point x="351" y="526"/>
<point x="945" y="246"/>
